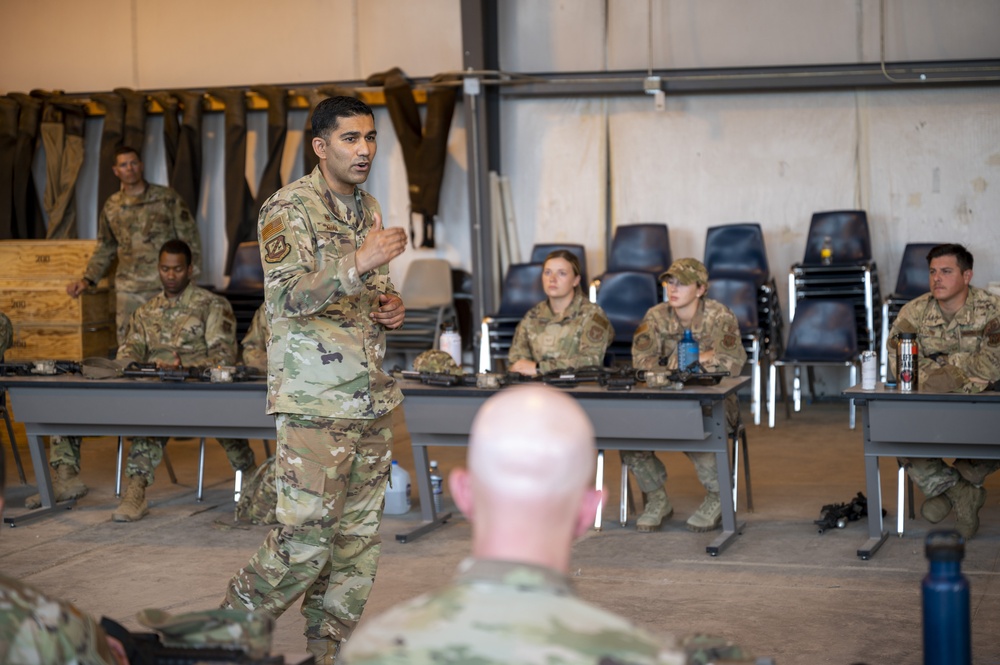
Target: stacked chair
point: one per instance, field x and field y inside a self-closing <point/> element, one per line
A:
<point x="640" y="253"/>
<point x="740" y="277"/>
<point x="912" y="282"/>
<point x="427" y="293"/>
<point x="852" y="275"/>
<point x="823" y="332"/>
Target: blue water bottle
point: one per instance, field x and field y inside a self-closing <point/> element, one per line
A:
<point x="947" y="629"/>
<point x="687" y="351"/>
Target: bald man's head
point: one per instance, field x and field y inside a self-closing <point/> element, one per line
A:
<point x="532" y="441"/>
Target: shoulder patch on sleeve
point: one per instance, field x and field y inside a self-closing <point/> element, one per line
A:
<point x="277" y="249"/>
<point x="273" y="228"/>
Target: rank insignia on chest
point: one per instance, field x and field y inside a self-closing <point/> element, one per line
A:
<point x="277" y="249"/>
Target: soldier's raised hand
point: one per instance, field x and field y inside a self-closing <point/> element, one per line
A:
<point x="380" y="247"/>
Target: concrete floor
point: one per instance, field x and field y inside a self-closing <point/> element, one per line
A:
<point x="781" y="590"/>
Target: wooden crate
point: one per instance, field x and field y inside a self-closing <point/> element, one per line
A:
<point x="33" y="303"/>
<point x="61" y="342"/>
<point x="46" y="259"/>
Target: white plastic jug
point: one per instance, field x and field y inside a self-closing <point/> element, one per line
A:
<point x="397" y="494"/>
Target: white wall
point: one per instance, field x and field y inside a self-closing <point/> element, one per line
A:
<point x="923" y="163"/>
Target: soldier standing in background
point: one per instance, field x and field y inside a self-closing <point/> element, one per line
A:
<point x="958" y="339"/>
<point x="133" y="225"/>
<point x="565" y="330"/>
<point x="720" y="348"/>
<point x="330" y="299"/>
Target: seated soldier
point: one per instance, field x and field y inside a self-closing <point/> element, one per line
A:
<point x="512" y="601"/>
<point x="183" y="326"/>
<point x="958" y="339"/>
<point x="720" y="348"/>
<point x="563" y="331"/>
<point x="38" y="630"/>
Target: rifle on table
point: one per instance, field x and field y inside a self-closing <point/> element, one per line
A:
<point x="227" y="374"/>
<point x="612" y="378"/>
<point x="693" y="375"/>
<point x="39" y="368"/>
<point x="437" y="378"/>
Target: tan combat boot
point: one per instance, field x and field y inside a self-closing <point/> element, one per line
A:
<point x="324" y="650"/>
<point x="708" y="517"/>
<point x="936" y="508"/>
<point x="134" y="505"/>
<point x="967" y="499"/>
<point x="66" y="485"/>
<point x="658" y="508"/>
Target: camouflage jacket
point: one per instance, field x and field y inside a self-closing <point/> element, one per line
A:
<point x="254" y="344"/>
<point x="198" y="328"/>
<point x="325" y="356"/>
<point x="503" y="612"/>
<point x="36" y="629"/>
<point x="578" y="338"/>
<point x="6" y="334"/>
<point x="714" y="326"/>
<point x="133" y="228"/>
<point x="969" y="344"/>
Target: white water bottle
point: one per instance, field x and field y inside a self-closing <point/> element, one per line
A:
<point x="397" y="494"/>
<point x="451" y="341"/>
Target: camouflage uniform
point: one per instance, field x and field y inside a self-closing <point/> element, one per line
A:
<point x="6" y="334"/>
<point x="715" y="328"/>
<point x="198" y="329"/>
<point x="254" y="344"/>
<point x="577" y="338"/>
<point x="37" y="629"/>
<point x="969" y="345"/>
<point x="133" y="228"/>
<point x="333" y="406"/>
<point x="505" y="612"/>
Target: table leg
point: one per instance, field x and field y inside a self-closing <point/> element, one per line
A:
<point x="730" y="528"/>
<point x="44" y="481"/>
<point x="876" y="533"/>
<point x="422" y="475"/>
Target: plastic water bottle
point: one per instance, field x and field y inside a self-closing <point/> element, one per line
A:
<point x="451" y="341"/>
<point x="397" y="494"/>
<point x="437" y="488"/>
<point x="947" y="630"/>
<point x="687" y="351"/>
<point x="826" y="251"/>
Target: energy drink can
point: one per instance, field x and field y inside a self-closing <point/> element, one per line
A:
<point x="906" y="362"/>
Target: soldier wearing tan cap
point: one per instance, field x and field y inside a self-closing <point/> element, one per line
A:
<point x="717" y="331"/>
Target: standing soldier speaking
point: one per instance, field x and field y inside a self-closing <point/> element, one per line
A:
<point x="329" y="298"/>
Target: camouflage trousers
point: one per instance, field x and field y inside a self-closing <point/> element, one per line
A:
<point x="650" y="473"/>
<point x="934" y="476"/>
<point x="331" y="478"/>
<point x="126" y="302"/>
<point x="146" y="452"/>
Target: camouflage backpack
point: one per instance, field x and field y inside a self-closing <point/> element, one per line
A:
<point x="259" y="497"/>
